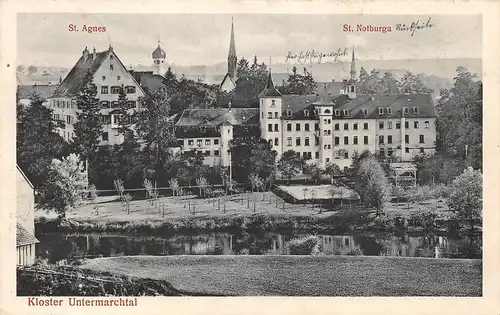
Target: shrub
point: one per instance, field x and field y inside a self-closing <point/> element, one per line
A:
<point x="307" y="245"/>
<point x="384" y="222"/>
<point x="354" y="251"/>
<point x="424" y="217"/>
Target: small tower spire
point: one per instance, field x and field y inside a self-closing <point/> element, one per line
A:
<point x="231" y="58"/>
<point x="353" y="65"/>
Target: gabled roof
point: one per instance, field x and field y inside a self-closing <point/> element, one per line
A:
<point x="227" y="77"/>
<point x="297" y="104"/>
<point x="372" y="103"/>
<point x="270" y="90"/>
<point x="72" y="84"/>
<point x="24" y="237"/>
<point x="218" y="116"/>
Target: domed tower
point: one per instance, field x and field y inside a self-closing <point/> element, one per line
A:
<point x="159" y="57"/>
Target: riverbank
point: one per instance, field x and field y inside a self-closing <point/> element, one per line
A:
<point x="303" y="275"/>
<point x="250" y="211"/>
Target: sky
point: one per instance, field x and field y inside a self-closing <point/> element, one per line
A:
<point x="190" y="39"/>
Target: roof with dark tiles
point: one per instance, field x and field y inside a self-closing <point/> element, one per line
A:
<point x="25" y="91"/>
<point x="24" y="237"/>
<point x="218" y="116"/>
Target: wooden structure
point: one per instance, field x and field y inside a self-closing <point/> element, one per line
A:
<point x="403" y="174"/>
<point x="25" y="215"/>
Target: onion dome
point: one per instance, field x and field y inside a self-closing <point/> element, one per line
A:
<point x="159" y="53"/>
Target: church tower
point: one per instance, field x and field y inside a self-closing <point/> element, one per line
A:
<point x="159" y="56"/>
<point x="231" y="58"/>
<point x="350" y="87"/>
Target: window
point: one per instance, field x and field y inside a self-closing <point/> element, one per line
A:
<point x="407" y="138"/>
<point x="297" y="154"/>
<point x="346" y="154"/>
<point x="276" y="141"/>
<point x="337" y="140"/>
<point x="288" y="127"/>
<point x="365" y="140"/>
<point x="381" y="139"/>
<point x="270" y="127"/>
<point x="421" y="139"/>
<point x="325" y="121"/>
<point x="316" y="126"/>
<point x="262" y="115"/>
<point x="207" y="141"/>
<point x="105" y="136"/>
<point x="346" y="126"/>
<point x="269" y="115"/>
<point x="337" y="126"/>
<point x="216" y="152"/>
<point x="407" y="125"/>
<point x="327" y="111"/>
<point x="105" y="104"/>
<point x="216" y="141"/>
<point x="389" y="125"/>
<point x="110" y="57"/>
<point x="306" y="127"/>
<point x="297" y="127"/>
<point x="276" y="128"/>
<point x="346" y="112"/>
<point x="190" y="142"/>
<point x="270" y="141"/>
<point x="415" y="124"/>
<point x="329" y="132"/>
<point x="199" y="142"/>
<point x="407" y="150"/>
<point x="316" y="141"/>
<point x="415" y="110"/>
<point x="289" y="141"/>
<point x="273" y="103"/>
<point x="115" y="90"/>
<point x="337" y="112"/>
<point x="130" y="89"/>
<point x="207" y="152"/>
<point x="346" y="140"/>
<point x="365" y="112"/>
<point x="365" y="126"/>
<point x="329" y="121"/>
<point x="427" y="125"/>
<point x="306" y="141"/>
<point x="389" y="151"/>
<point x="297" y="141"/>
<point x="304" y="155"/>
<point x="329" y="147"/>
<point x="389" y="139"/>
<point x="380" y="111"/>
<point x="398" y="125"/>
<point x="352" y="88"/>
<point x="405" y="110"/>
<point x="421" y="150"/>
<point x="355" y="126"/>
<point x="327" y="160"/>
<point x="381" y="125"/>
<point x="110" y="67"/>
<point x="276" y="115"/>
<point x="288" y="112"/>
<point x="130" y="104"/>
<point x="68" y="119"/>
<point x="103" y="77"/>
<point x="316" y="155"/>
<point x="114" y="104"/>
<point x="104" y="90"/>
<point x="306" y="113"/>
<point x="316" y="112"/>
<point x="389" y="110"/>
<point x="355" y="140"/>
<point x="118" y="78"/>
<point x="382" y="152"/>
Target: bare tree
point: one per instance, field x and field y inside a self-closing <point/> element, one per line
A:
<point x="174" y="184"/>
<point x="202" y="185"/>
<point x="120" y="189"/>
<point x="127" y="198"/>
<point x="93" y="198"/>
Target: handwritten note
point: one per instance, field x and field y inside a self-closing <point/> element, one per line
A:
<point x="415" y="26"/>
<point x="314" y="56"/>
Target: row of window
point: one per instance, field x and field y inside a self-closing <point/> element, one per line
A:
<point x="381" y="139"/>
<point x="336" y="140"/>
<point x="381" y="125"/>
<point x="381" y="111"/>
<point x="298" y="126"/>
<point x="199" y="142"/>
<point x="116" y="89"/>
<point x="63" y="104"/>
<point x="116" y="104"/>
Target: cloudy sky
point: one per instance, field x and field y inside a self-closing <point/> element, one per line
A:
<point x="44" y="39"/>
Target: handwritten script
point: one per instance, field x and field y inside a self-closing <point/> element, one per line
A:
<point x="313" y="55"/>
<point x="415" y="26"/>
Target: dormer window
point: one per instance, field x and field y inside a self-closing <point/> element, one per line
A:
<point x="364" y="111"/>
<point x="306" y="113"/>
<point x="389" y="110"/>
<point x="380" y="111"/>
<point x="337" y="112"/>
<point x="288" y="112"/>
<point x="405" y="110"/>
<point x="415" y="110"/>
<point x="203" y="129"/>
<point x="316" y="112"/>
<point x="346" y="112"/>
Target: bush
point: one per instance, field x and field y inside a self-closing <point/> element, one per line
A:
<point x="384" y="222"/>
<point x="354" y="251"/>
<point x="307" y="245"/>
<point x="424" y="217"/>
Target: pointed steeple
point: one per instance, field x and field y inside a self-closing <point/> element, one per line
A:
<point x="353" y="65"/>
<point x="231" y="58"/>
<point x="270" y="90"/>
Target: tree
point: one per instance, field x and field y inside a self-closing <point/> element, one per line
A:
<point x="372" y="184"/>
<point x="333" y="170"/>
<point x="32" y="70"/>
<point x="390" y="85"/>
<point x="314" y="172"/>
<point x="20" y="69"/>
<point x="466" y="197"/>
<point x="37" y="142"/>
<point x="65" y="185"/>
<point x="255" y="181"/>
<point x="88" y="127"/>
<point x="251" y="155"/>
<point x="251" y="80"/>
<point x="411" y="84"/>
<point x="299" y="84"/>
<point x="290" y="164"/>
<point x="122" y="113"/>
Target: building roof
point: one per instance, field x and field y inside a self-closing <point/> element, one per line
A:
<point x="270" y="90"/>
<point x="25" y="91"/>
<point x="148" y="79"/>
<point x="329" y="90"/>
<point x="297" y="104"/>
<point x="218" y="116"/>
<point x="159" y="53"/>
<point x="24" y="237"/>
<point x="372" y="103"/>
<point x="72" y="84"/>
<point x="227" y="77"/>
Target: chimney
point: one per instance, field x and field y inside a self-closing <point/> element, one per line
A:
<point x="85" y="53"/>
<point x="93" y="54"/>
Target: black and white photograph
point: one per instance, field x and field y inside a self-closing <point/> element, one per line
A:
<point x="246" y="154"/>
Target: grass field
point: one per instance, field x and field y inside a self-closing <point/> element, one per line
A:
<point x="189" y="207"/>
<point x="304" y="275"/>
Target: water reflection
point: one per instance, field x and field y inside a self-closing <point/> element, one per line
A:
<point x="57" y="246"/>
